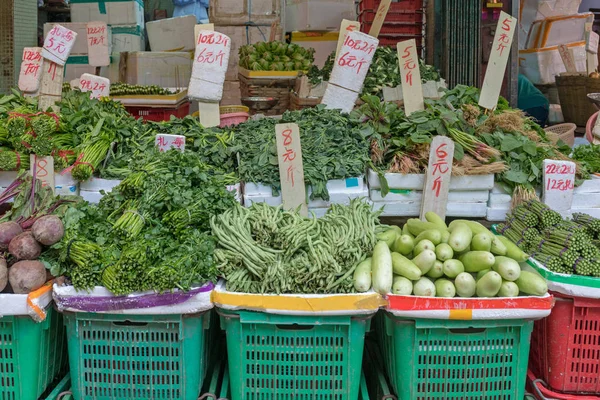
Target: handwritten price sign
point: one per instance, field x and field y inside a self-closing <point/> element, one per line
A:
<point x="437" y="179"/>
<point x="412" y="89"/>
<point x="98" y="41"/>
<point x="211" y="59"/>
<point x="97" y="85"/>
<point x="353" y="61"/>
<point x="58" y="44"/>
<point x="42" y="168"/>
<point x="559" y="183"/>
<point x="30" y="75"/>
<point x="346" y="27"/>
<point x="166" y="142"/>
<point x="291" y="169"/>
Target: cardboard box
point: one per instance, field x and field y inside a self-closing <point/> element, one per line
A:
<point x="238" y="37"/>
<point x="239" y="12"/>
<point x="172" y="34"/>
<point x="127" y="38"/>
<point x="113" y="12"/>
<point x="317" y="15"/>
<point x="165" y="69"/>
<point x="231" y="94"/>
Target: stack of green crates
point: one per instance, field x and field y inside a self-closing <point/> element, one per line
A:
<point x="32" y="355"/>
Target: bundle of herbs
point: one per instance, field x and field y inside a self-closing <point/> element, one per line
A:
<point x="333" y="147"/>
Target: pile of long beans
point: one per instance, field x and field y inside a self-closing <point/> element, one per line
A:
<point x="264" y="249"/>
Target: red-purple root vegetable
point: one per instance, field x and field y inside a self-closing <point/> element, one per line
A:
<point x="27" y="276"/>
<point x="25" y="247"/>
<point x="48" y="230"/>
<point x="3" y="274"/>
<point x="8" y="230"/>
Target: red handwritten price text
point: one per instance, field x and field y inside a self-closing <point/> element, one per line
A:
<point x="409" y="64"/>
<point x="213" y="38"/>
<point x="351" y="61"/>
<point x="32" y="61"/>
<point x="440" y="167"/>
<point x="560" y="169"/>
<point x="560" y="184"/>
<point x="165" y="143"/>
<point x="96" y="30"/>
<point x="89" y="85"/>
<point x="29" y="55"/>
<point x="207" y="56"/>
<point x="289" y="156"/>
<point x="41" y="171"/>
<point x="360" y="45"/>
<point x="58" y="39"/>
<point x="504" y="39"/>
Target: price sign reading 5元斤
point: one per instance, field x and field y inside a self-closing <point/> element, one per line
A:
<point x="559" y="183"/>
<point x="58" y="44"/>
<point x="97" y="85"/>
<point x="30" y="75"/>
<point x="412" y="88"/>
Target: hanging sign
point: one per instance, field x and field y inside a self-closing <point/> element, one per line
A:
<point x="166" y="142"/>
<point x="559" y="184"/>
<point x="437" y="178"/>
<point x="494" y="75"/>
<point x="382" y="11"/>
<point x="410" y="74"/>
<point x="30" y="75"/>
<point x="58" y="44"/>
<point x="98" y="41"/>
<point x="96" y="85"/>
<point x="42" y="168"/>
<point x="291" y="169"/>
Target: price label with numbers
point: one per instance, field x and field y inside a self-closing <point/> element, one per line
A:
<point x="353" y="61"/>
<point x="291" y="169"/>
<point x="559" y="183"/>
<point x="166" y="142"/>
<point x="30" y="75"/>
<point x="412" y="88"/>
<point x="42" y="168"/>
<point x="58" y="44"/>
<point x="437" y="178"/>
<point x="211" y="59"/>
<point x="494" y="75"/>
<point x="97" y="85"/>
<point x="97" y="40"/>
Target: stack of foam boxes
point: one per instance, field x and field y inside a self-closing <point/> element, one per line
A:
<point x="126" y="22"/>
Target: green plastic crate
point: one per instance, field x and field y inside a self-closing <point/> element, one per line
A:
<point x="32" y="355"/>
<point x="280" y="357"/>
<point x="447" y="359"/>
<point x="114" y="356"/>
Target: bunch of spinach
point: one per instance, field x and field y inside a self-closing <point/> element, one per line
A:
<point x="588" y="156"/>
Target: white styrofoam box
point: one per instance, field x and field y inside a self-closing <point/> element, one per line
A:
<point x="591" y="185"/>
<point x="500" y="200"/>
<point x="478" y="196"/>
<point x="541" y="66"/>
<point x="18" y="304"/>
<point x="240" y="12"/>
<point x="594" y="212"/>
<point x="65" y="185"/>
<point x="348" y="185"/>
<point x="585" y="200"/>
<point x="77" y="66"/>
<point x="558" y="30"/>
<point x="339" y="98"/>
<point x="81" y="44"/>
<point x="164" y="69"/>
<point x="172" y="34"/>
<point x="496" y="214"/>
<point x="98" y="184"/>
<point x="334" y="198"/>
<point x="555" y="116"/>
<point x="535" y="10"/>
<point x="91" y="196"/>
<point x="317" y="15"/>
<point x="126" y="12"/>
<point x="126" y="38"/>
<point x="410" y="209"/>
<point x="417" y="181"/>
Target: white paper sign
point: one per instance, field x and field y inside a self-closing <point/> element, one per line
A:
<point x="210" y="66"/>
<point x="97" y="40"/>
<point x="437" y="178"/>
<point x="559" y="183"/>
<point x="592" y="42"/>
<point x="30" y="75"/>
<point x="494" y="75"/>
<point x="58" y="44"/>
<point x="412" y="89"/>
<point x="166" y="142"/>
<point x="353" y="61"/>
<point x="97" y="85"/>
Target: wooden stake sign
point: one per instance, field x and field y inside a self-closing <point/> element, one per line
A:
<point x="97" y="39"/>
<point x="202" y="27"/>
<point x="30" y="75"/>
<point x="42" y="168"/>
<point x="494" y="75"/>
<point x="51" y="85"/>
<point x="559" y="183"/>
<point x="166" y="142"/>
<point x="437" y="178"/>
<point x="349" y="71"/>
<point x="382" y="11"/>
<point x="211" y="60"/>
<point x="346" y="27"/>
<point x="567" y="58"/>
<point x="291" y="169"/>
<point x="58" y="44"/>
<point x="410" y="74"/>
<point x="96" y="85"/>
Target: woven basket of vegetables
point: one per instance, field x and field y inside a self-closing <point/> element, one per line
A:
<point x="276" y="88"/>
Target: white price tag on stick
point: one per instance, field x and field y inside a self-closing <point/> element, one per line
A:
<point x="494" y="75"/>
<point x="437" y="178"/>
<point x="97" y="85"/>
<point x="97" y="39"/>
<point x="42" y="168"/>
<point x="30" y="75"/>
<point x="559" y="183"/>
<point x="291" y="169"/>
<point x="166" y="142"/>
<point x="412" y="88"/>
<point x="58" y="44"/>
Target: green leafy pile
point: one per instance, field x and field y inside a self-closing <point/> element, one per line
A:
<point x="588" y="156"/>
<point x="151" y="232"/>
<point x="333" y="147"/>
<point x="276" y="56"/>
